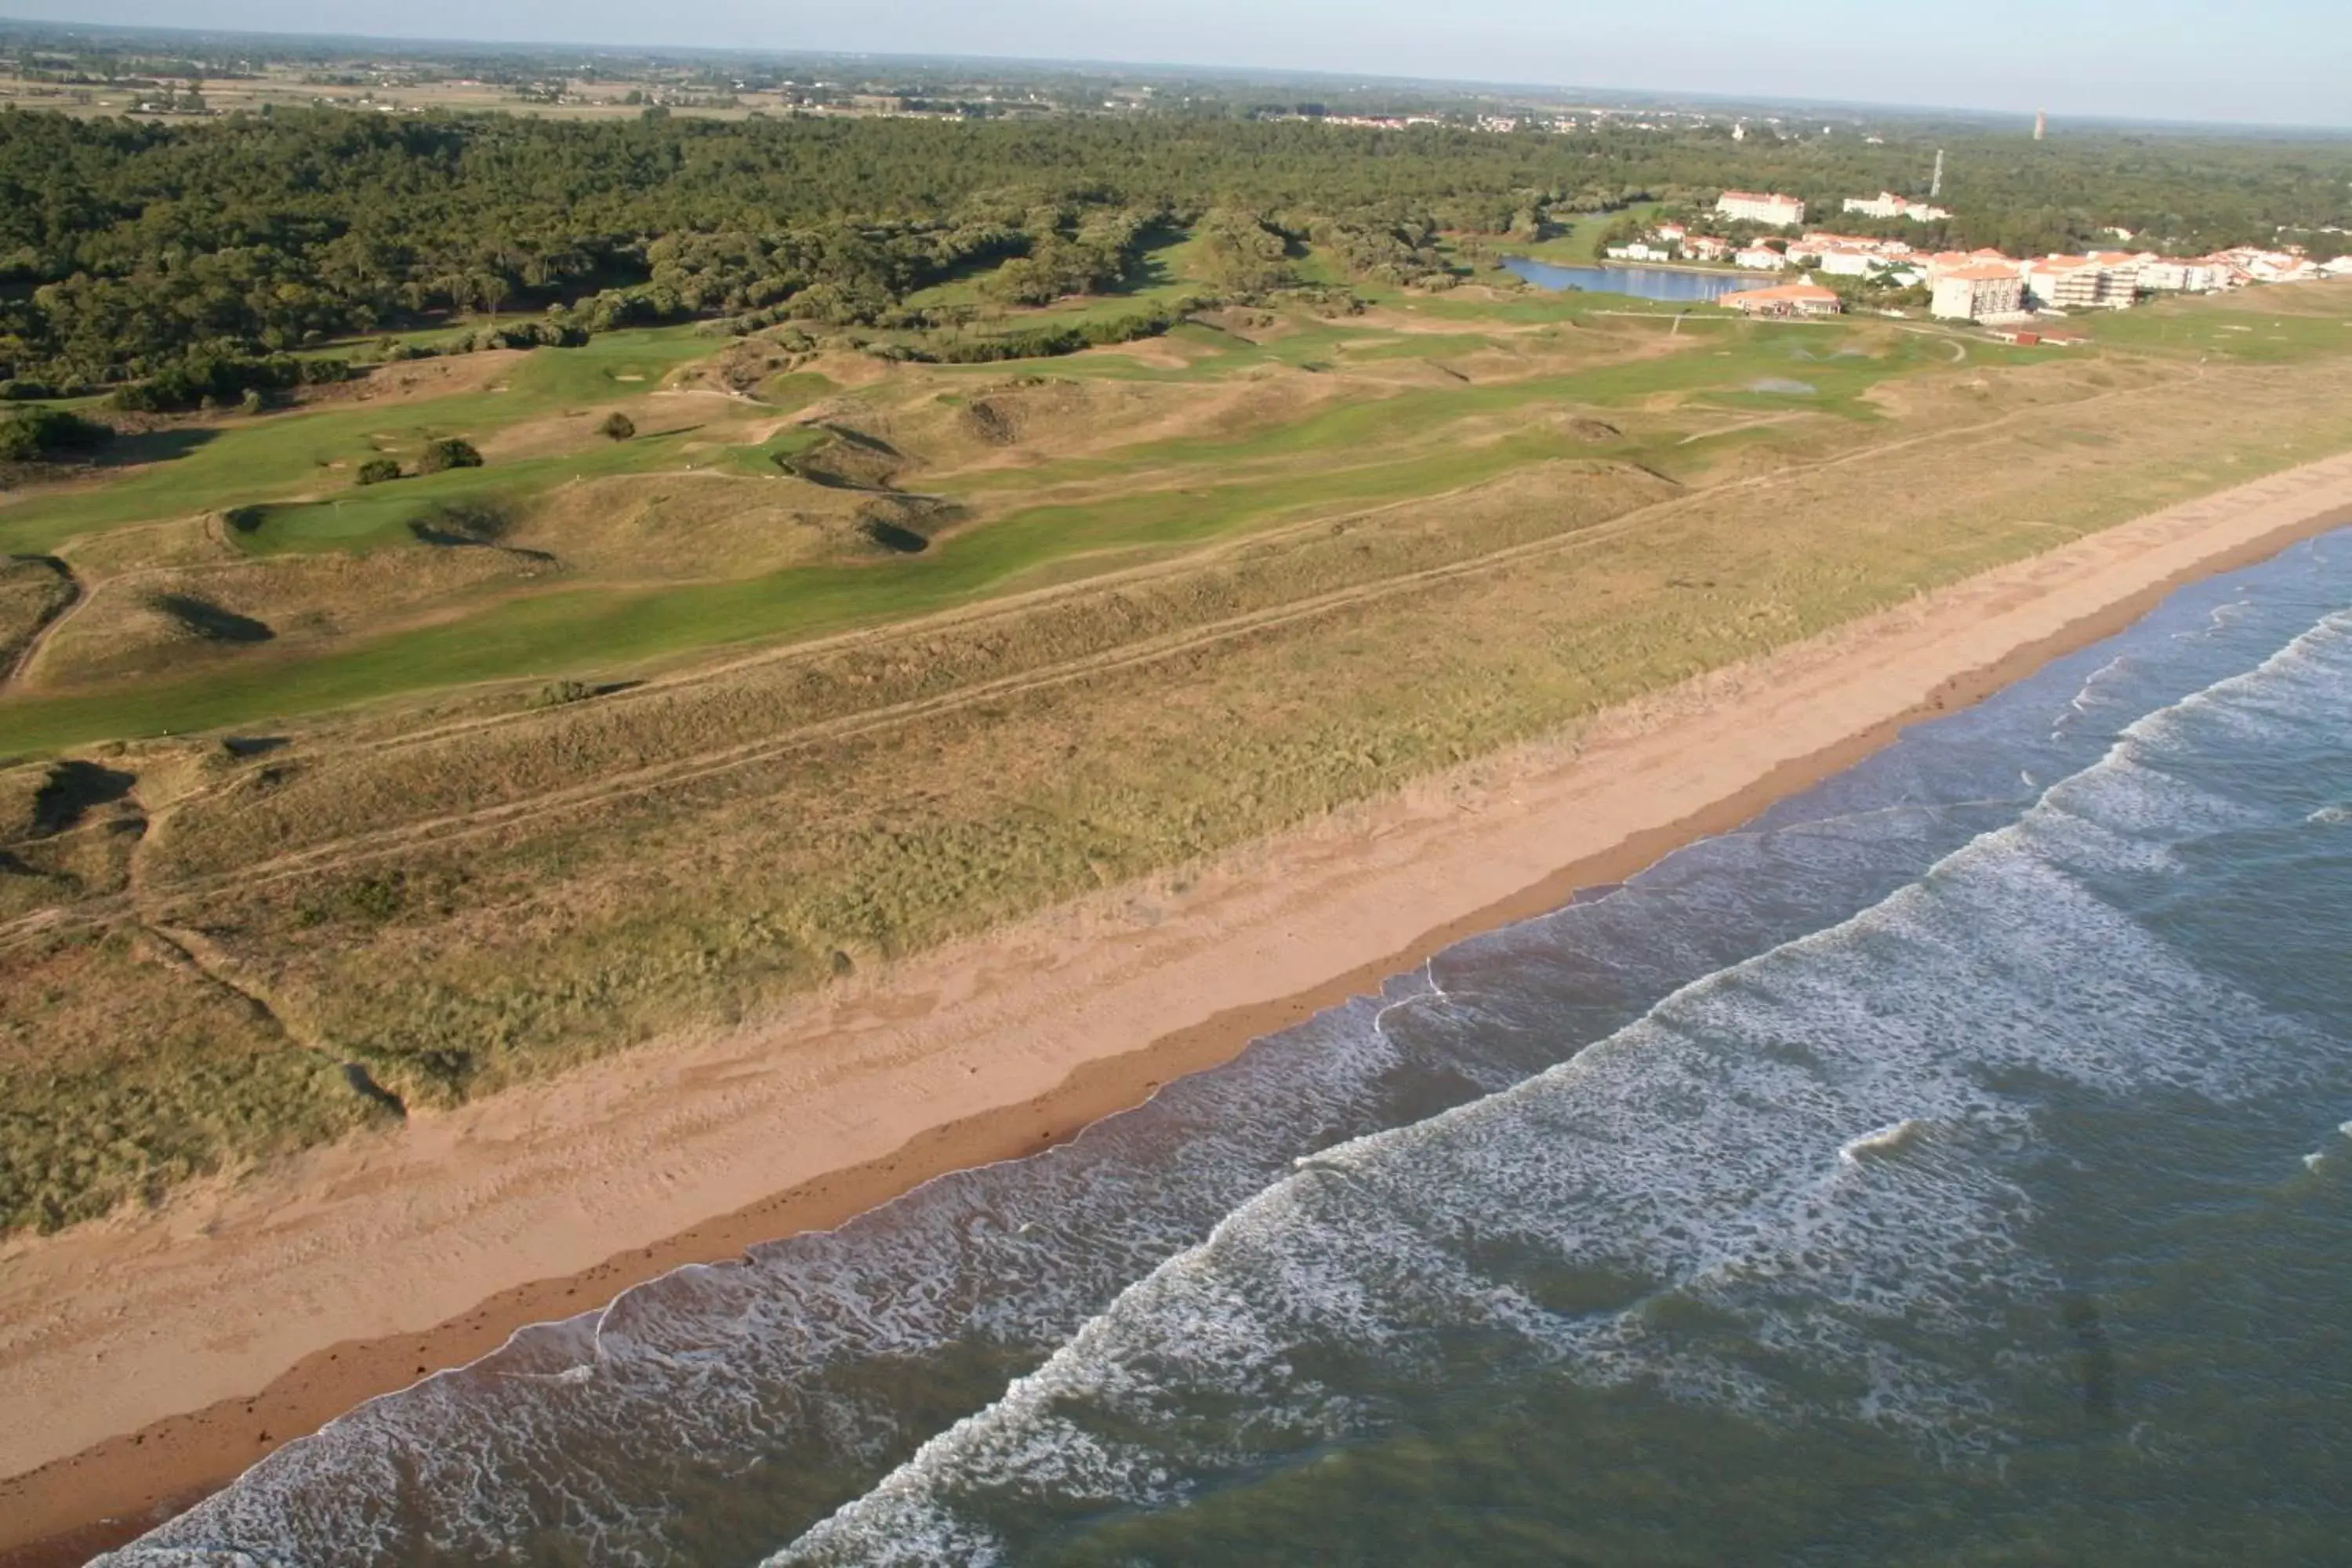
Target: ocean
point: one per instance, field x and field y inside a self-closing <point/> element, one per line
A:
<point x="1952" y="1166"/>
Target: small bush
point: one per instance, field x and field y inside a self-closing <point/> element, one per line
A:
<point x="617" y="426"/>
<point x="557" y="693"/>
<point x="252" y="402"/>
<point x="376" y="470"/>
<point x="449" y="452"/>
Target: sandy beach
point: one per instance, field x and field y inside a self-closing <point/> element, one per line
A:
<point x="151" y="1357"/>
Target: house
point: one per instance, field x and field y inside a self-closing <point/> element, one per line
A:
<point x="1760" y="258"/>
<point x="1788" y="299"/>
<point x="1845" y="262"/>
<point x="1707" y="248"/>
<point x="1888" y="205"/>
<point x="1672" y="233"/>
<point x="1752" y="206"/>
<point x="1986" y="289"/>
<point x="1638" y="251"/>
<point x="2339" y="267"/>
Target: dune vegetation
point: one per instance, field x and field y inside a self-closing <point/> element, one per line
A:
<point x="738" y="663"/>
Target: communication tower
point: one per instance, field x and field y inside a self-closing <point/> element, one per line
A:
<point x="2041" y="124"/>
<point x="1936" y="186"/>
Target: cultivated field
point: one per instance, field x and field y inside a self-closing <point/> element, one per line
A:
<point x="328" y="800"/>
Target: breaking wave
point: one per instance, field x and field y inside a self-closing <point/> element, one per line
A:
<point x="1763" y="1130"/>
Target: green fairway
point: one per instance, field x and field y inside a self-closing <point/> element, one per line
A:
<point x="586" y="631"/>
<point x="281" y="454"/>
<point x="1370" y="441"/>
<point x="374" y="516"/>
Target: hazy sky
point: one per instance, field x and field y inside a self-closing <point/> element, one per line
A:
<point x="2277" y="60"/>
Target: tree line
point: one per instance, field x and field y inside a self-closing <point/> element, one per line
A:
<point x="139" y="252"/>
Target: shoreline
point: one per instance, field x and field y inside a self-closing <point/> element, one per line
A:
<point x="1075" y="1015"/>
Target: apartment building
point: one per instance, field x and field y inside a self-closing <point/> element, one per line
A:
<point x="2168" y="276"/>
<point x="1753" y="207"/>
<point x="1970" y="293"/>
<point x="2106" y="282"/>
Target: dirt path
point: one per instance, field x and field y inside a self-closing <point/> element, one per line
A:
<point x="47" y="624"/>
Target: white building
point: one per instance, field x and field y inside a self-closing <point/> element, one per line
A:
<point x="2106" y="282"/>
<point x="1752" y="206"/>
<point x="1987" y="288"/>
<point x="2167" y="276"/>
<point x="1845" y="262"/>
<point x="2266" y="265"/>
<point x="1760" y="258"/>
<point x="1886" y="204"/>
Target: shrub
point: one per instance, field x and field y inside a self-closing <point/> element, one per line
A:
<point x="557" y="693"/>
<point x="209" y="381"/>
<point x="42" y="435"/>
<point x="617" y="426"/>
<point x="449" y="452"/>
<point x="375" y="470"/>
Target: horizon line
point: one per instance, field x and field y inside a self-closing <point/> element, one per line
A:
<point x="1665" y="97"/>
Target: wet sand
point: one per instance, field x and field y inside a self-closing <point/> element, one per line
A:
<point x="149" y="1359"/>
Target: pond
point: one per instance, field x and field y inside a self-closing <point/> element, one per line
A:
<point x="1642" y="282"/>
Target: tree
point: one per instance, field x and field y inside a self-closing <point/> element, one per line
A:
<point x="617" y="426"/>
<point x="446" y="453"/>
<point x="376" y="470"/>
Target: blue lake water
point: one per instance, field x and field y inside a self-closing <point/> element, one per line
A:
<point x="1642" y="282"/>
<point x="1953" y="1165"/>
